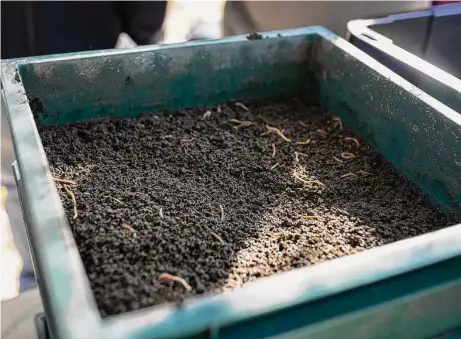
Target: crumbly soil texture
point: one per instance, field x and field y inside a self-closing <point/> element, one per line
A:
<point x="218" y="197"/>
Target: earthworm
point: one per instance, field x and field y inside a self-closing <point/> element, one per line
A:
<point x="72" y="196"/>
<point x="239" y="104"/>
<point x="307" y="142"/>
<point x="64" y="181"/>
<point x="308" y="181"/>
<point x="222" y="212"/>
<point x="278" y="132"/>
<point x="217" y="237"/>
<point x="348" y="175"/>
<point x="131" y="230"/>
<point x="338" y="122"/>
<point x="346" y="155"/>
<point x="206" y="115"/>
<point x="354" y="140"/>
<point x="167" y="276"/>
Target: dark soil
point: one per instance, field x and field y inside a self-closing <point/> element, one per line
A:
<point x="127" y="170"/>
<point x="254" y="36"/>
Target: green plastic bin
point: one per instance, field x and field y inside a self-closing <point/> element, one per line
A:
<point x="408" y="289"/>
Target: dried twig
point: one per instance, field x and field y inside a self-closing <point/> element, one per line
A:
<point x="274" y="166"/>
<point x="241" y="123"/>
<point x="355" y="140"/>
<point x="72" y="196"/>
<point x="217" y="237"/>
<point x="130" y="229"/>
<point x="108" y="196"/>
<point x="309" y="181"/>
<point x="303" y="124"/>
<point x="311" y="217"/>
<point x="160" y="212"/>
<point x="273" y="150"/>
<point x="64" y="181"/>
<point x="239" y="104"/>
<point x="347" y="155"/>
<point x="278" y="132"/>
<point x="167" y="276"/>
<point x="350" y="174"/>
<point x="206" y="115"/>
<point x="307" y="142"/>
<point x="222" y="212"/>
<point x="338" y="122"/>
<point x="338" y="160"/>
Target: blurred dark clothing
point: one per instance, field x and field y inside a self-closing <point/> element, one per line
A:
<point x="37" y="28"/>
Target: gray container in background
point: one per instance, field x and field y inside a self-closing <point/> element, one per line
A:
<point x="424" y="47"/>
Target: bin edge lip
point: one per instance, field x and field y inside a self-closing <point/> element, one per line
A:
<point x="153" y="318"/>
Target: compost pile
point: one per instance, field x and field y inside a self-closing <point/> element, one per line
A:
<point x="218" y="197"/>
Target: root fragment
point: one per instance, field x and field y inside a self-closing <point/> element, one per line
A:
<point x="350" y="174"/>
<point x="160" y="212"/>
<point x="273" y="150"/>
<point x="303" y="124"/>
<point x="347" y="155"/>
<point x="72" y="196"/>
<point x="309" y="181"/>
<point x="354" y="140"/>
<point x="130" y="229"/>
<point x="276" y="131"/>
<point x="167" y="276"/>
<point x="365" y="172"/>
<point x="64" y="181"/>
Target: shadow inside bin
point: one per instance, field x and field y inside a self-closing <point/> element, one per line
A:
<point x="191" y="195"/>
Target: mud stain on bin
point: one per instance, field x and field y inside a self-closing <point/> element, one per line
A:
<point x="209" y="196"/>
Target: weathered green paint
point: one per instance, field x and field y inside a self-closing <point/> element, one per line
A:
<point x="136" y="83"/>
<point x="410" y="288"/>
<point x="422" y="143"/>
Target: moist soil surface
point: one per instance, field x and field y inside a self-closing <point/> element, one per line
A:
<point x="203" y="197"/>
